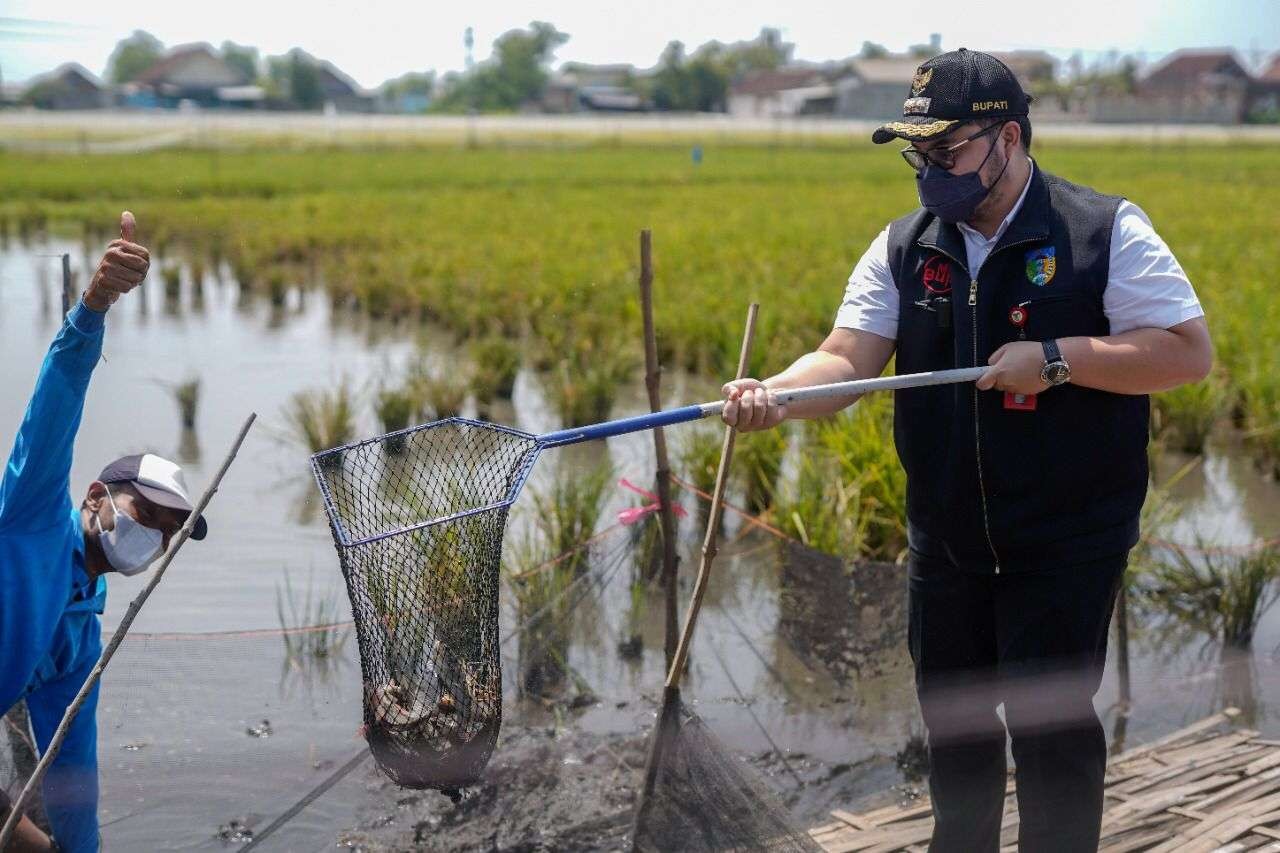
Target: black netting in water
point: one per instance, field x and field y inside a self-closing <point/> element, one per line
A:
<point x="703" y="798"/>
<point x="418" y="517"/>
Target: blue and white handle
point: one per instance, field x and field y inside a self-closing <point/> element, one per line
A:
<point x="636" y="423"/>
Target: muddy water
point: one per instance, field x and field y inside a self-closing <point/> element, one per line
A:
<point x="799" y="663"/>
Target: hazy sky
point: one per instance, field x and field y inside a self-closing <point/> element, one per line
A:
<point x="373" y="41"/>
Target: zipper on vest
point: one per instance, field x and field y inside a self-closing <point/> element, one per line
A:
<point x="977" y="428"/>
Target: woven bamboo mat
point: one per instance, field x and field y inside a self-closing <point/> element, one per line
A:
<point x="1208" y="787"/>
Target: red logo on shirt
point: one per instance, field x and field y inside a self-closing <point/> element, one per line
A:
<point x="937" y="274"/>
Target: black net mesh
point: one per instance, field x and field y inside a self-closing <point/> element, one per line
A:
<point x="699" y="797"/>
<point x="418" y="517"/>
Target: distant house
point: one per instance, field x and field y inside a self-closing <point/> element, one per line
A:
<point x="782" y="93"/>
<point x="581" y="87"/>
<point x="1206" y="86"/>
<point x="193" y="73"/>
<point x="68" y="87"/>
<point x="875" y="88"/>
<point x="1264" y="95"/>
<point x="341" y="93"/>
<point x="1030" y="66"/>
<point x="1195" y="74"/>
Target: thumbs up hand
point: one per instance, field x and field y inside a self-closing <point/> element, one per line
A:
<point x="121" y="269"/>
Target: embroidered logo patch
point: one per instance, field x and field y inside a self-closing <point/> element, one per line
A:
<point x="920" y="80"/>
<point x="916" y="106"/>
<point x="937" y="274"/>
<point x="1041" y="265"/>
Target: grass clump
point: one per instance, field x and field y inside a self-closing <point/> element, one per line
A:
<point x="496" y="361"/>
<point x="584" y="388"/>
<point x="309" y="622"/>
<point x="849" y="497"/>
<point x="1186" y="415"/>
<point x="1219" y="592"/>
<point x="758" y="458"/>
<point x="322" y="419"/>
<point x="187" y="396"/>
<point x="567" y="511"/>
<point x="440" y="394"/>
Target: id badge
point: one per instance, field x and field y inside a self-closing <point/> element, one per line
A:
<point x="1019" y="402"/>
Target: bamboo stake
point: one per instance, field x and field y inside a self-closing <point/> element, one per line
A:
<point x="652" y="380"/>
<point x="709" y="546"/>
<point x="663" y="725"/>
<point x="74" y="708"/>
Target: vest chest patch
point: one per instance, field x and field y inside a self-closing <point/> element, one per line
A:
<point x="936" y="274"/>
<point x="1041" y="265"/>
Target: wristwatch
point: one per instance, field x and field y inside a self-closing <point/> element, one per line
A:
<point x="1055" y="371"/>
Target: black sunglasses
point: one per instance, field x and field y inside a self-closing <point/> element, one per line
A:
<point x="943" y="158"/>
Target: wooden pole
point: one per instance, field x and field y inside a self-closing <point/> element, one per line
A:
<point x="668" y="715"/>
<point x="709" y="546"/>
<point x="68" y="290"/>
<point x="652" y="382"/>
<point x="74" y="708"/>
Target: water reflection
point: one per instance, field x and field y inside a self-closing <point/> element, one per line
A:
<point x="188" y="446"/>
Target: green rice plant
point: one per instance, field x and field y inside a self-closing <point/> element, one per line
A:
<point x="395" y="408"/>
<point x="697" y="455"/>
<point x="1260" y="395"/>
<point x="322" y="419"/>
<point x="495" y="361"/>
<point x="277" y="286"/>
<point x="171" y="275"/>
<point x="785" y="221"/>
<point x="1219" y="592"/>
<point x="584" y="388"/>
<point x="567" y="511"/>
<point x="187" y="396"/>
<point x="758" y="458"/>
<point x="540" y="585"/>
<point x="439" y="394"/>
<point x="849" y="497"/>
<point x="1186" y="415"/>
<point x="631" y="645"/>
<point x="197" y="273"/>
<point x="309" y="622"/>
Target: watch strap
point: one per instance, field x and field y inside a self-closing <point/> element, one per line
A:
<point x="1051" y="351"/>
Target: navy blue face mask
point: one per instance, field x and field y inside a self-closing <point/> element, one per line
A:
<point x="954" y="198"/>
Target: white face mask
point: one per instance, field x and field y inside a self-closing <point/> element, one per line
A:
<point x="130" y="546"/>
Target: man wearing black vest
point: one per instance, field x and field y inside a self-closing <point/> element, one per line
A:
<point x="1024" y="490"/>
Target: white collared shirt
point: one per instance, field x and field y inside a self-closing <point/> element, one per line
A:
<point x="1146" y="286"/>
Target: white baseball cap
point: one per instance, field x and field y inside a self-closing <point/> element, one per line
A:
<point x="158" y="480"/>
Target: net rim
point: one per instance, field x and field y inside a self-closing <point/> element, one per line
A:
<point x="343" y="539"/>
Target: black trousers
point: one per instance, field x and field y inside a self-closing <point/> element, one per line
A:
<point x="1036" y="642"/>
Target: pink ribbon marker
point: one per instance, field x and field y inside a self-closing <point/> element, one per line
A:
<point x="631" y="515"/>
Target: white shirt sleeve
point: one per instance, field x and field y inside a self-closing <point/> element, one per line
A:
<point x="871" y="298"/>
<point x="1146" y="287"/>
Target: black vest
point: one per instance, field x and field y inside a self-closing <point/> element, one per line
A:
<point x="989" y="485"/>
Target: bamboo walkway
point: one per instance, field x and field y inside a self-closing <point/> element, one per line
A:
<point x="1207" y="788"/>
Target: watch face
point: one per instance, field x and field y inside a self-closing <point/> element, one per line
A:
<point x="1057" y="373"/>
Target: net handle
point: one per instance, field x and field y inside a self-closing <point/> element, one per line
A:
<point x="684" y="414"/>
<point x="709" y="547"/>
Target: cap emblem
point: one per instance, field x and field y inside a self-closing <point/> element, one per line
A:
<point x="920" y="80"/>
<point x="916" y="106"/>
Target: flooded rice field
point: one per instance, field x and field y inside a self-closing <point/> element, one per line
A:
<point x="209" y="729"/>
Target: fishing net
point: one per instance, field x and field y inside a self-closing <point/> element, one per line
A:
<point x="699" y="797"/>
<point x="417" y="517"/>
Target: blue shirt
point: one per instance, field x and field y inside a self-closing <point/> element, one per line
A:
<point x="50" y="634"/>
